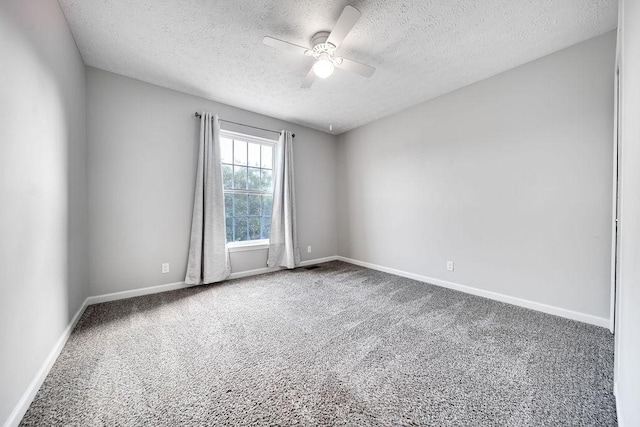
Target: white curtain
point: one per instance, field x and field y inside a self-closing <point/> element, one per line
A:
<point x="283" y="236"/>
<point x="208" y="256"/>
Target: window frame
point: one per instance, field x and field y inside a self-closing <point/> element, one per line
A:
<point x="257" y="244"/>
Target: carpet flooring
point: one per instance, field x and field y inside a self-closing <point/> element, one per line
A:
<point x="335" y="345"/>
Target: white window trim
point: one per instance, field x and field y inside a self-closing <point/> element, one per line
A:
<point x="248" y="245"/>
<point x="249" y="138"/>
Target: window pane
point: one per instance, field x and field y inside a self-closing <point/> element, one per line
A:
<point x="229" y="226"/>
<point x="267" y="157"/>
<point x="240" y="177"/>
<point x="228" y="205"/>
<point x="239" y="152"/>
<point x="241" y="228"/>
<point x="226" y="150"/>
<point x="254" y="228"/>
<point x="266" y="180"/>
<point x="266" y="205"/>
<point x="254" y="179"/>
<point x="227" y="176"/>
<point x="240" y="205"/>
<point x="254" y="204"/>
<point x="254" y="154"/>
<point x="266" y="224"/>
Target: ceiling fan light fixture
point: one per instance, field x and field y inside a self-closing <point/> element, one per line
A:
<point x="323" y="68"/>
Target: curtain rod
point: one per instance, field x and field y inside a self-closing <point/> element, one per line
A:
<point x="293" y="135"/>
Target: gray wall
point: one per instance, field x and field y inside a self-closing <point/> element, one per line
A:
<point x="628" y="319"/>
<point x="510" y="178"/>
<point x="142" y="156"/>
<point x="43" y="218"/>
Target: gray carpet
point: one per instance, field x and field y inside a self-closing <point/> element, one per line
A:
<point x="337" y="345"/>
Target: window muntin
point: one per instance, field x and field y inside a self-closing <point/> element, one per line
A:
<point x="247" y="172"/>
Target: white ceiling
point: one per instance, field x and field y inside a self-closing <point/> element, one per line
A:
<point x="421" y="48"/>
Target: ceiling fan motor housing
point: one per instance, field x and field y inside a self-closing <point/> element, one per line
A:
<point x="323" y="50"/>
<point x="320" y="37"/>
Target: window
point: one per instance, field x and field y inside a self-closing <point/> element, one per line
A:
<point x="247" y="169"/>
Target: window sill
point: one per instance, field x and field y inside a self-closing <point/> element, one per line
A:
<point x="251" y="245"/>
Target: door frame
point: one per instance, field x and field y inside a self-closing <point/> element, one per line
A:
<point x="615" y="226"/>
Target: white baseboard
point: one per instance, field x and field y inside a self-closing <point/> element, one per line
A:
<point x="549" y="309"/>
<point x="318" y="260"/>
<point x="25" y="401"/>
<point x="180" y="285"/>
<point x="255" y="272"/>
<point x="137" y="292"/>
<point x="264" y="270"/>
<point x="618" y="409"/>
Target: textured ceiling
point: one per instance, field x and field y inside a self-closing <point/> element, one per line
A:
<point x="421" y="48"/>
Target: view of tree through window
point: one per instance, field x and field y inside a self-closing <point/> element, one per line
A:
<point x="248" y="191"/>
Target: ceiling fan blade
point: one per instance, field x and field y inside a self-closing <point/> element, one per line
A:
<point x="283" y="45"/>
<point x="347" y="20"/>
<point x="357" y="67"/>
<point x="309" y="79"/>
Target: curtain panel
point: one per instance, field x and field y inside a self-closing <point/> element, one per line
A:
<point x="208" y="256"/>
<point x="283" y="237"/>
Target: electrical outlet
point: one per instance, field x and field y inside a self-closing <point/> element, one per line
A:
<point x="165" y="267"/>
<point x="449" y="265"/>
<point x="308" y="249"/>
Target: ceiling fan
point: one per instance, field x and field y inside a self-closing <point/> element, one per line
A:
<point x="324" y="47"/>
